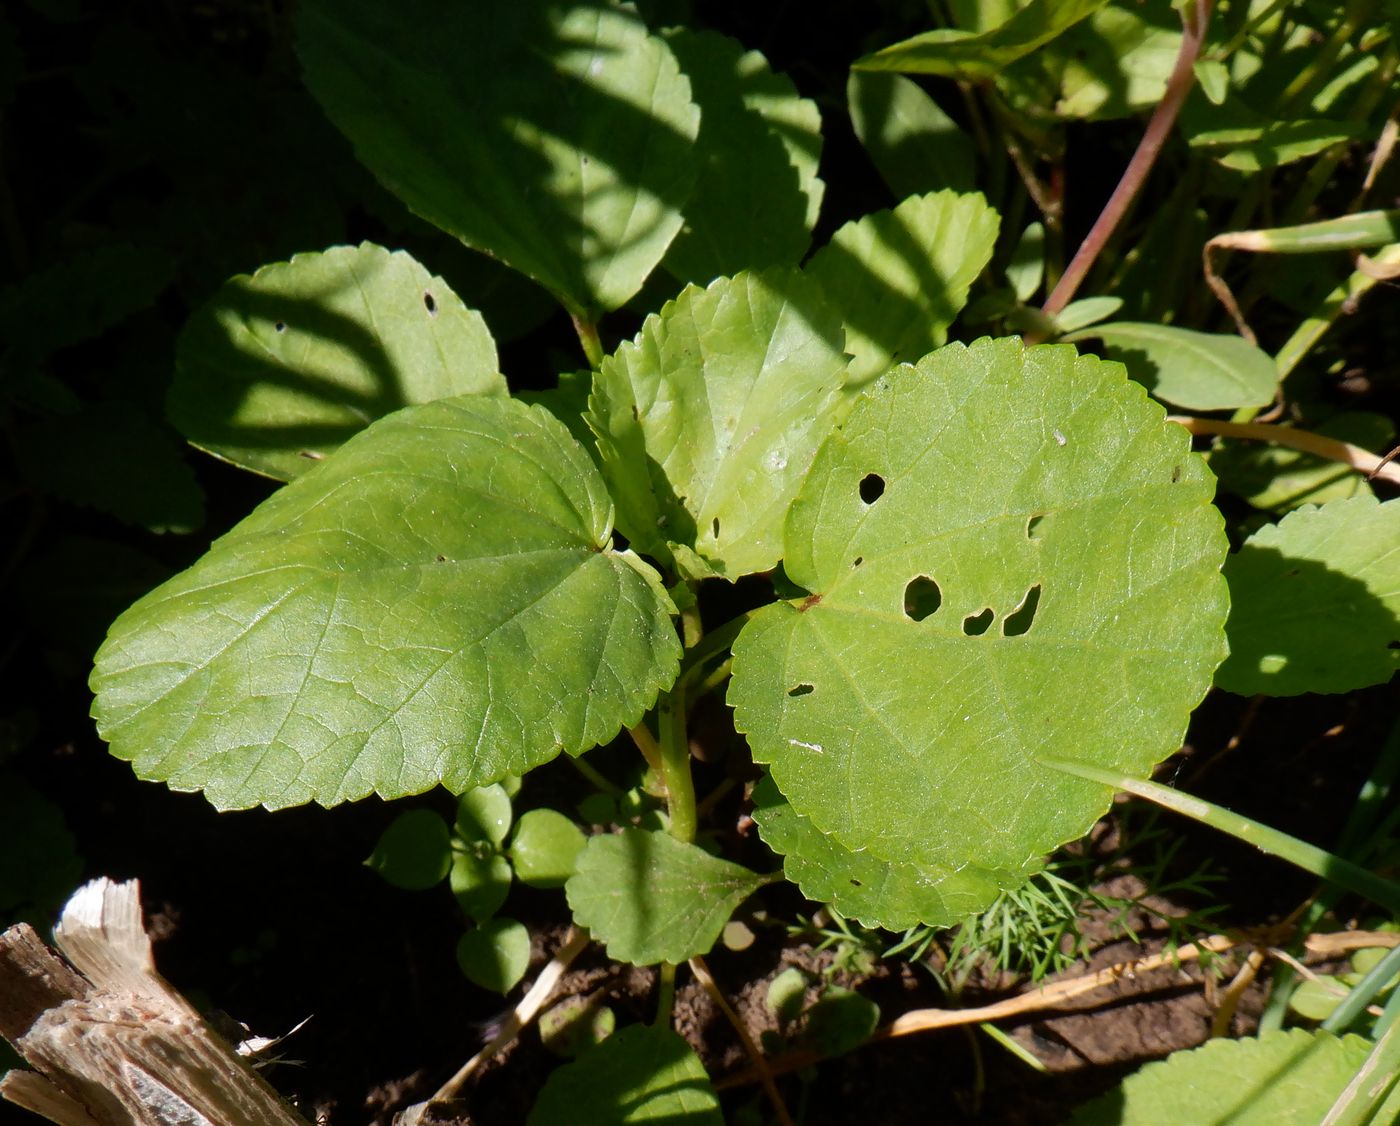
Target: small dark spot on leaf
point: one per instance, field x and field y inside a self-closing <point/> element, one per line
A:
<point x="808" y="602"/>
<point x="1176" y="474"/>
<point x="636" y="414"/>
<point x="430" y="303"/>
<point x="1291" y="572"/>
<point x="975" y="625"/>
<point x="800" y="689"/>
<point x="858" y="560"/>
<point x="714" y="527"/>
<point x="1019" y="620"/>
<point x="442" y="559"/>
<point x="1394" y="645"/>
<point x="311" y="455"/>
<point x="921" y="598"/>
<point x="280" y="326"/>
<point x="855" y="883"/>
<point x="872" y="488"/>
<point x="1031" y="525"/>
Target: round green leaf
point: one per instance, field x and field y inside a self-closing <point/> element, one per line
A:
<point x="558" y="138"/>
<point x="901" y="277"/>
<point x="414" y="852"/>
<point x="1010" y="553"/>
<point x="1315" y="601"/>
<point x="545" y="849"/>
<point x="841" y="1019"/>
<point x="495" y="955"/>
<point x="280" y="368"/>
<point x="483" y="814"/>
<point x="708" y="421"/>
<point x="639" y="1074"/>
<point x="1282" y="1078"/>
<point x="480" y="883"/>
<point x="652" y="898"/>
<point x="1316" y="998"/>
<point x="435" y="603"/>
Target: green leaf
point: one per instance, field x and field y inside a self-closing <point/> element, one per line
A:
<point x="785" y="995"/>
<point x="1276" y="143"/>
<point x="652" y="898"/>
<point x="860" y="885"/>
<point x="414" y="852"/>
<point x="359" y="632"/>
<point x="546" y="848"/>
<point x="975" y="58"/>
<point x="1282" y="1078"/>
<point x="1086" y="311"/>
<point x="1026" y="270"/>
<point x="708" y="421"/>
<point x="483" y="814"/>
<point x="901" y="277"/>
<point x="576" y="1025"/>
<point x="1317" y="997"/>
<point x="757" y="194"/>
<point x="1315" y="601"/>
<point x="480" y="883"/>
<point x="840" y="1020"/>
<point x="1201" y="371"/>
<point x="915" y="146"/>
<point x="558" y="138"/>
<point x="495" y="955"/>
<point x="639" y="1074"/>
<point x="1002" y="546"/>
<point x="280" y="368"/>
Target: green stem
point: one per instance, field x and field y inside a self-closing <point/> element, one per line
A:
<point x="665" y="994"/>
<point x="1310" y="858"/>
<point x="646" y="743"/>
<point x="1369" y="1088"/>
<point x="1342" y="299"/>
<point x="711" y="645"/>
<point x="588" y="337"/>
<point x="1363" y="993"/>
<point x="597" y="779"/>
<point x="675" y="764"/>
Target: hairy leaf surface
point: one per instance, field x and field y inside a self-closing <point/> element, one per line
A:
<point x="901" y="277"/>
<point x="555" y="137"/>
<point x="1009" y="552"/>
<point x="708" y="421"/>
<point x="1316" y="601"/>
<point x="652" y="898"/>
<point x="435" y="603"/>
<point x="282" y="367"/>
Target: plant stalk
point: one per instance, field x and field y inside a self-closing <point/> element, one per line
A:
<point x="675" y="764"/>
<point x="588" y="337"/>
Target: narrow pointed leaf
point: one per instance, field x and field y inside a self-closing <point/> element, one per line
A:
<point x="557" y="138"/>
<point x="708" y="421"/>
<point x="901" y="277"/>
<point x="435" y="603"/>
<point x="652" y="898"/>
<point x="641" y="1074"/>
<point x="280" y="368"/>
<point x="1315" y="601"/>
<point x="757" y="194"/>
<point x="1009" y="551"/>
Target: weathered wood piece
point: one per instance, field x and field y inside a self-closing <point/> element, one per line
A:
<point x="112" y="1044"/>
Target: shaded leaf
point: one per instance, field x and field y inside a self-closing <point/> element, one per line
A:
<point x="546" y="848"/>
<point x="280" y="368"/>
<point x="915" y="146"/>
<point x="840" y="1020"/>
<point x="495" y="955"/>
<point x="414" y="852"/>
<point x="483" y="814"/>
<point x="479" y="883"/>
<point x="652" y="898"/>
<point x="708" y="420"/>
<point x="638" y="1074"/>
<point x="1315" y="601"/>
<point x="1201" y="371"/>
<point x="901" y="277"/>
<point x="39" y="865"/>
<point x="997" y="543"/>
<point x="757" y="194"/>
<point x="579" y="158"/>
<point x="359" y="631"/>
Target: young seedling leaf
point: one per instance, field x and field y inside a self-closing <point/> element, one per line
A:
<point x="640" y="1074"/>
<point x="652" y="898"/>
<point x="357" y="633"/>
<point x="841" y="1019"/>
<point x="483" y="814"/>
<point x="479" y="883"/>
<point x="901" y="277"/>
<point x="1287" y="1077"/>
<point x="1001" y="546"/>
<point x="414" y="852"/>
<point x="546" y="848"/>
<point x="495" y="955"/>
<point x="1201" y="371"/>
<point x="280" y="368"/>
<point x="558" y="138"/>
<point x="576" y="1025"/>
<point x="976" y="58"/>
<point x="861" y="885"/>
<point x="708" y="421"/>
<point x="915" y="146"/>
<point x="1315" y="601"/>
<point x="757" y="194"/>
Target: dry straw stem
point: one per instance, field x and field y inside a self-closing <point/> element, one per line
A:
<point x="760" y="1065"/>
<point x="1363" y="461"/>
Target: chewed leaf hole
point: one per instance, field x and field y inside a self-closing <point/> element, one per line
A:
<point x="872" y="488"/>
<point x="975" y="625"/>
<point x="714" y="527"/>
<point x="280" y="326"/>
<point x="858" y="560"/>
<point x="1032" y="524"/>
<point x="1019" y="620"/>
<point x="921" y="598"/>
<point x="430" y="303"/>
<point x="800" y="690"/>
<point x="1176" y="474"/>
